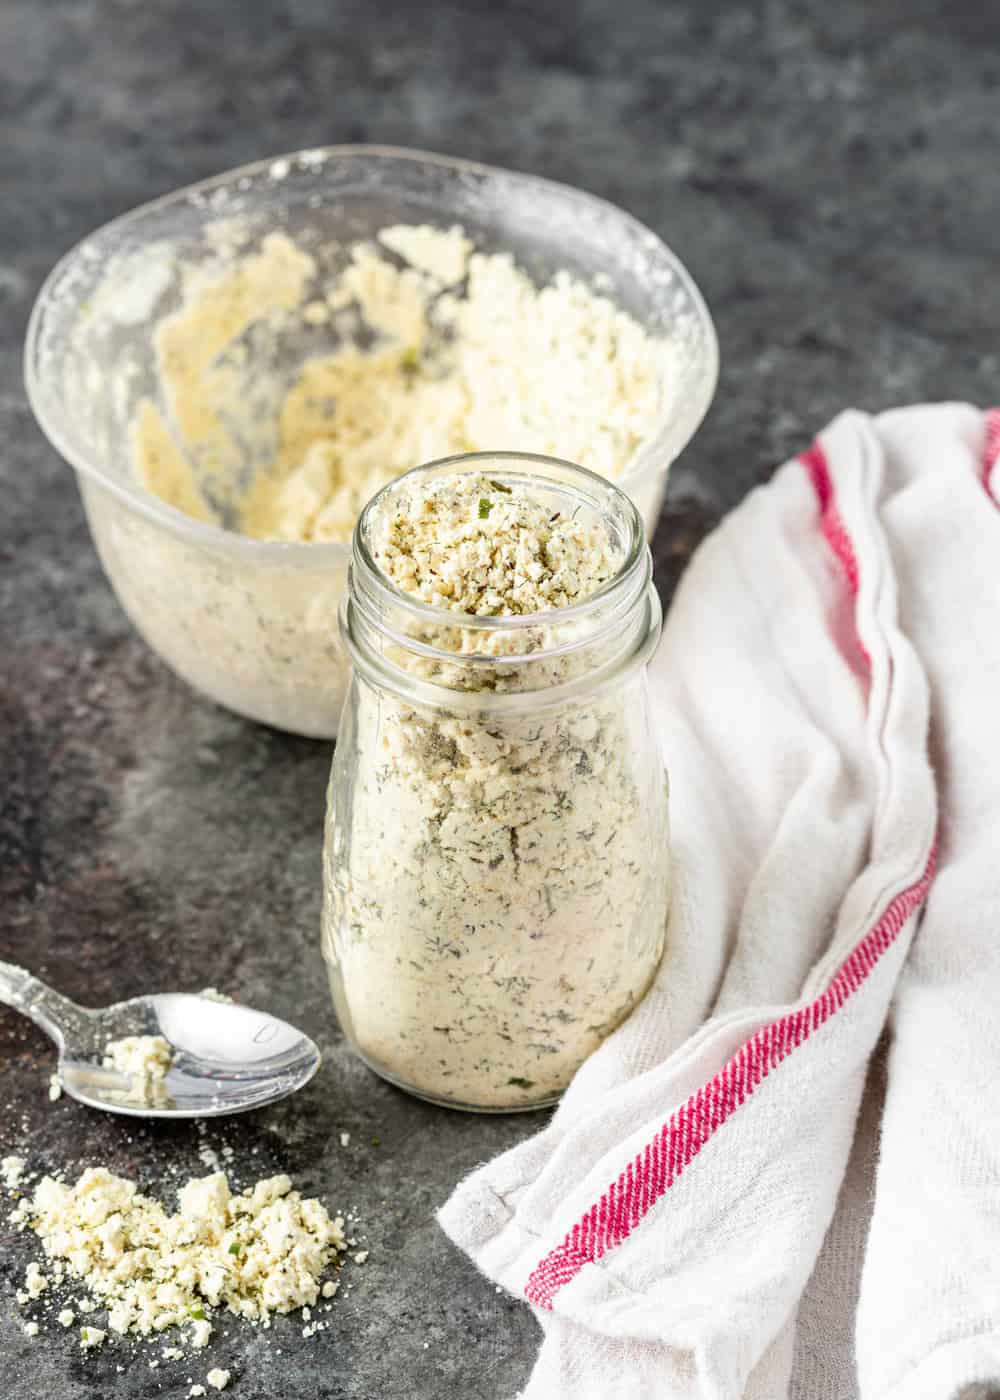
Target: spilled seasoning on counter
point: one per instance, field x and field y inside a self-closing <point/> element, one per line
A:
<point x="252" y="1253"/>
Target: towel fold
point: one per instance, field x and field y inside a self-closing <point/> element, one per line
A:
<point x="827" y="690"/>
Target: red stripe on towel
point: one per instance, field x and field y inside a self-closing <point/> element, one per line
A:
<point x="834" y="531"/>
<point x="991" y="454"/>
<point x="654" y="1170"/>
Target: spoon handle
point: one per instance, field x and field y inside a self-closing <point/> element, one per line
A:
<point x="56" y="1014"/>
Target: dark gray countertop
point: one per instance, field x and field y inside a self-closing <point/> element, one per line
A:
<point x="829" y="174"/>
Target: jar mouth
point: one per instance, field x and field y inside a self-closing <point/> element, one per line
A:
<point x="522" y="469"/>
<point x="379" y="617"/>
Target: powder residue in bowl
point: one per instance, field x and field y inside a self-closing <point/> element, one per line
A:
<point x="428" y="349"/>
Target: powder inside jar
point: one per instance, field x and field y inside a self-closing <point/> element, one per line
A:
<point x="473" y="544"/>
<point x="496" y="874"/>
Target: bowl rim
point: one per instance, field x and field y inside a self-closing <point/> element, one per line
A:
<point x="45" y="407"/>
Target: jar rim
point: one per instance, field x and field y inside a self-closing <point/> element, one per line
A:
<point x="419" y="691"/>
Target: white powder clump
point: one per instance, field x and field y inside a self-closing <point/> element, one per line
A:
<point x="201" y="1333"/>
<point x="12" y="1170"/>
<point x="31" y="1329"/>
<point x="55" y="1088"/>
<point x="66" y="1318"/>
<point x="91" y="1337"/>
<point x="255" y="1253"/>
<point x="35" y="1282"/>
<point x="146" y="1059"/>
<point x="217" y="1378"/>
<point x="443" y="254"/>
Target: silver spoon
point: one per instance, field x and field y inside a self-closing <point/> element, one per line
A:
<point x="225" y="1058"/>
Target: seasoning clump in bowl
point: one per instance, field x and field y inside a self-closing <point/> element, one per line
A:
<point x="425" y="349"/>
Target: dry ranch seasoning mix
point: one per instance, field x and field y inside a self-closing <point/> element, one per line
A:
<point x="496" y="858"/>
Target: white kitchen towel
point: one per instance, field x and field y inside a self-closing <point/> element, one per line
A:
<point x="828" y="693"/>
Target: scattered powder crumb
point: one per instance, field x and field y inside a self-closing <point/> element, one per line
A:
<point x="55" y="1088"/>
<point x="12" y="1169"/>
<point x="208" y="1157"/>
<point x="201" y="1333"/>
<point x="345" y="1139"/>
<point x="146" y="1059"/>
<point x="255" y="1253"/>
<point x="259" y="1252"/>
<point x="197" y="1390"/>
<point x="361" y="1256"/>
<point x="213" y="994"/>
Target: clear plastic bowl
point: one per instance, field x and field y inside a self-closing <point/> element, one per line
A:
<point x="252" y="623"/>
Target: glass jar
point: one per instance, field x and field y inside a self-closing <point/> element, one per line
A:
<point x="496" y="862"/>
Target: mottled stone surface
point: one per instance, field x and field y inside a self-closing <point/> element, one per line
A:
<point x="829" y="174"/>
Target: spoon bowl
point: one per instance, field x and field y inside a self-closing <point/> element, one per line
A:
<point x="226" y="1058"/>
